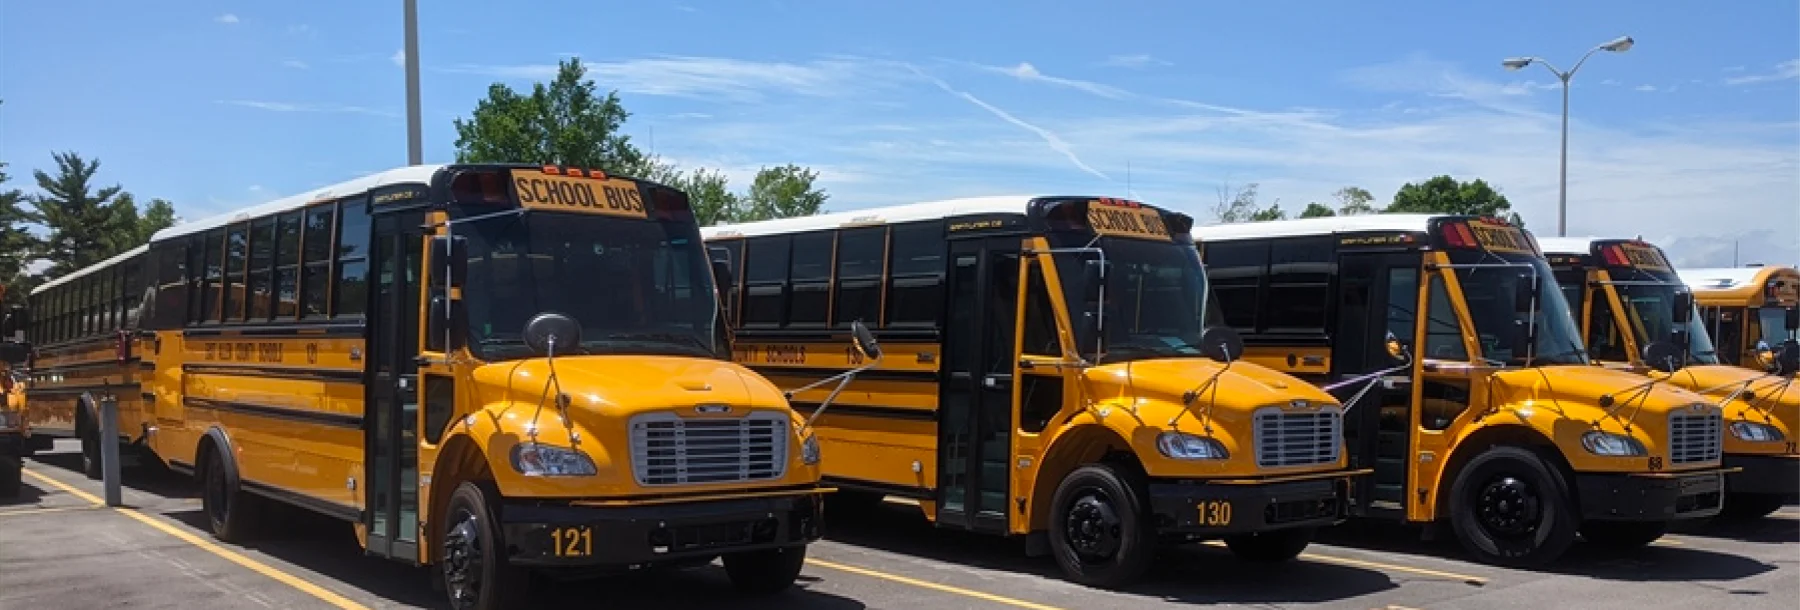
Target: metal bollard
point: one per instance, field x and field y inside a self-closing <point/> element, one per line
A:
<point x="109" y="448"/>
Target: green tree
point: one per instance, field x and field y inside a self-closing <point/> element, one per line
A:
<point x="1316" y="210"/>
<point x="160" y="215"/>
<point x="1353" y="200"/>
<point x="1237" y="206"/>
<point x="710" y="195"/>
<point x="1446" y="195"/>
<point x="565" y="122"/>
<point x="18" y="247"/>
<point x="782" y="192"/>
<point x="86" y="226"/>
<point x="1273" y="212"/>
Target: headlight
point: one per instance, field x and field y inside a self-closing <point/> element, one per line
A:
<point x="1755" y="432"/>
<point x="1607" y="443"/>
<point x="809" y="450"/>
<point x="1184" y="446"/>
<point x="535" y="459"/>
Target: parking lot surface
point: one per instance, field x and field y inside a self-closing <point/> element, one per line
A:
<point x="60" y="548"/>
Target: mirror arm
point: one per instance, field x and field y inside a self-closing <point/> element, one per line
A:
<point x="843" y="380"/>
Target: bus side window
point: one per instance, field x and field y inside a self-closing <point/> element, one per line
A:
<point x="1443" y="331"/>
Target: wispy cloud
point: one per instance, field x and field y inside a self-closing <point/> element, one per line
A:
<point x="307" y="107"/>
<point x="715" y="77"/>
<point x="301" y="29"/>
<point x="1135" y="61"/>
<point x="226" y="18"/>
<point x="1644" y="88"/>
<point x="1786" y="70"/>
<point x="1027" y="72"/>
<point x="399" y="58"/>
<point x="1611" y="82"/>
<point x="295" y="64"/>
<point x="1050" y="138"/>
<point x="686" y="9"/>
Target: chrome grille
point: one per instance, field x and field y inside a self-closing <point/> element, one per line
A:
<point x="1297" y="437"/>
<point x="667" y="449"/>
<point x="1694" y="437"/>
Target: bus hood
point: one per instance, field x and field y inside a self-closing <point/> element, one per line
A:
<point x="621" y="386"/>
<point x="1576" y="391"/>
<point x="1770" y="400"/>
<point x="1242" y="387"/>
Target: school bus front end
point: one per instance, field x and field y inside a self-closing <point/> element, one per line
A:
<point x="15" y="432"/>
<point x="1051" y="371"/>
<point x="1639" y="316"/>
<point x="587" y="394"/>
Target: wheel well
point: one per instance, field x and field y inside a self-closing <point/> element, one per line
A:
<point x="459" y="460"/>
<point x="1505" y="435"/>
<point x="1086" y="445"/>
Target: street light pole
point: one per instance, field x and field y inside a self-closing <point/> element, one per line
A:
<point x="415" y="154"/>
<point x="1616" y="45"/>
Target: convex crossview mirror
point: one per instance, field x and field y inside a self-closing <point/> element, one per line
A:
<point x="864" y="341"/>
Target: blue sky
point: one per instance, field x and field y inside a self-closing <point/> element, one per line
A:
<point x="1691" y="138"/>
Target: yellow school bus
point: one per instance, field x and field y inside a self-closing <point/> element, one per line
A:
<point x="85" y="348"/>
<point x="1752" y="313"/>
<point x="1496" y="424"/>
<point x="1049" y="373"/>
<point x="489" y="369"/>
<point x="15" y="433"/>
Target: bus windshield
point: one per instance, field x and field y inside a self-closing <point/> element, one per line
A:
<point x="1648" y="301"/>
<point x="1773" y="320"/>
<point x="636" y="286"/>
<point x="1489" y="286"/>
<point x="1157" y="298"/>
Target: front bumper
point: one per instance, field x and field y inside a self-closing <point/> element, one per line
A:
<point x="1763" y="474"/>
<point x="1651" y="496"/>
<point x="1219" y="508"/>
<point x="12" y="443"/>
<point x="648" y="534"/>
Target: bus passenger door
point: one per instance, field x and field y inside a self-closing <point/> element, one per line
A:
<point x="975" y="404"/>
<point x="1043" y="381"/>
<point x="392" y="399"/>
<point x="1379" y="293"/>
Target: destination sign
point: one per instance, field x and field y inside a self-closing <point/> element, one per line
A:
<point x="1644" y="257"/>
<point x="550" y="192"/>
<point x="1500" y="238"/>
<point x="1123" y="218"/>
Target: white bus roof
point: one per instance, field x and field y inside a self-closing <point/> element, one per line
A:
<point x="1001" y="204"/>
<point x="403" y="175"/>
<point x="1580" y="245"/>
<point x="115" y="259"/>
<point x="1718" y="277"/>
<point x="1314" y="226"/>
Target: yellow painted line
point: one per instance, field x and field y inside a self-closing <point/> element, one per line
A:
<point x="999" y="599"/>
<point x="206" y="545"/>
<point x="1665" y="542"/>
<point x="1375" y="565"/>
<point x="42" y="510"/>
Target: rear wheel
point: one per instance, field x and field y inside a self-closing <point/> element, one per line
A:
<point x="765" y="572"/>
<point x="1271" y="547"/>
<point x="472" y="560"/>
<point x="1623" y="534"/>
<point x="1100" y="532"/>
<point x="230" y="510"/>
<point x="12" y="475"/>
<point x="1509" y="507"/>
<point x="1747" y="506"/>
<point x="90" y="453"/>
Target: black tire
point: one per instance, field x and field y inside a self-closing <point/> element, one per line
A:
<point x="90" y="453"/>
<point x="1271" y="547"/>
<point x="849" y="502"/>
<point x="471" y="555"/>
<point x="1100" y="529"/>
<point x="1623" y="534"/>
<point x="1750" y="507"/>
<point x="765" y="572"/>
<point x="12" y="475"/>
<point x="232" y="513"/>
<point x="1510" y="507"/>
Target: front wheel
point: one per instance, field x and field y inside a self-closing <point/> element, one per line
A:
<point x="12" y="475"/>
<point x="1100" y="531"/>
<point x="1750" y="507"/>
<point x="1623" y="534"/>
<point x="1509" y="507"/>
<point x="1270" y="547"/>
<point x="472" y="559"/>
<point x="230" y="510"/>
<point x="765" y="572"/>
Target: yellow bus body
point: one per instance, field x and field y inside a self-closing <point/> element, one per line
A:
<point x="312" y="358"/>
<point x="987" y="447"/>
<point x="1481" y="414"/>
<point x="1622" y="291"/>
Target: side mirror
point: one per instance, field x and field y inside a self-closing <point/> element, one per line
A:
<point x="1525" y="294"/>
<point x="1792" y="319"/>
<point x="446" y="316"/>
<point x="1682" y="307"/>
<point x="1664" y="356"/>
<point x="549" y="333"/>
<point x="864" y="341"/>
<point x="14" y="353"/>
<point x="1221" y="343"/>
<point x="1093" y="276"/>
<point x="451" y="251"/>
<point x="1765" y="355"/>
<point x="1396" y="349"/>
<point x="1789" y="360"/>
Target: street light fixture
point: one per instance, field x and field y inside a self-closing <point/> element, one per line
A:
<point x="1616" y="45"/>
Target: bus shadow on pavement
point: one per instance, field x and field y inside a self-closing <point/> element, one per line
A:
<point x="1650" y="563"/>
<point x="29" y="495"/>
<point x="149" y="477"/>
<point x="1183" y="574"/>
<point x="328" y="547"/>
<point x="1778" y="529"/>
